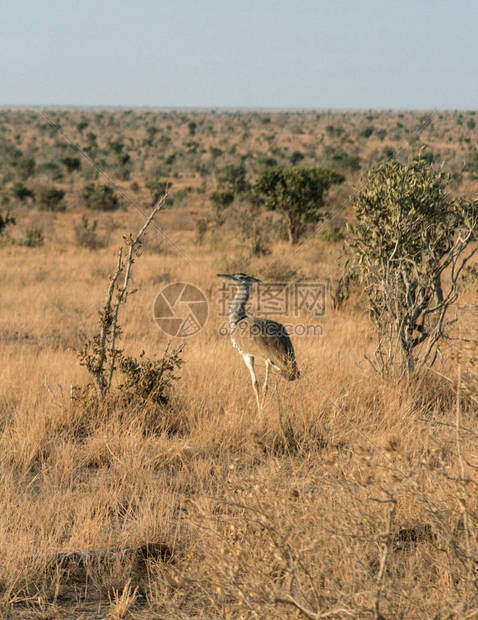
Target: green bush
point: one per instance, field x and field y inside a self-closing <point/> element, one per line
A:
<point x="51" y="199"/>
<point x="6" y="220"/>
<point x="367" y="132"/>
<point x="472" y="164"/>
<point x="408" y="232"/>
<point x="342" y="159"/>
<point x="100" y="197"/>
<point x="296" y="157"/>
<point x="52" y="169"/>
<point x="233" y="177"/>
<point x="71" y="163"/>
<point x="21" y="192"/>
<point x="221" y="200"/>
<point x="298" y="193"/>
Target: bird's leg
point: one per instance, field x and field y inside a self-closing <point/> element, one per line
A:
<point x="249" y="361"/>
<point x="265" y="386"/>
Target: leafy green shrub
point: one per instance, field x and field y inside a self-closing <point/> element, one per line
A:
<point x="388" y="152"/>
<point x="426" y="156"/>
<point x="233" y="176"/>
<point x="298" y="193"/>
<point x="472" y="163"/>
<point x="408" y="232"/>
<point x="215" y="152"/>
<point x="52" y="169"/>
<point x="367" y="132"/>
<point x="21" y="192"/>
<point x="24" y="166"/>
<point x="82" y="125"/>
<point x="221" y="200"/>
<point x="342" y="159"/>
<point x="100" y="197"/>
<point x="296" y="157"/>
<point x="71" y="163"/>
<point x="51" y="199"/>
<point x="334" y="132"/>
<point x="269" y="162"/>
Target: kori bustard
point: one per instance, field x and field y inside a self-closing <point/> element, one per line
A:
<point x="256" y="337"/>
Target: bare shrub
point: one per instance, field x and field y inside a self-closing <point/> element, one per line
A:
<point x="147" y="380"/>
<point x="201" y="226"/>
<point x="33" y="237"/>
<point x="86" y="234"/>
<point x="6" y="220"/>
<point x="279" y="270"/>
<point x="100" y="355"/>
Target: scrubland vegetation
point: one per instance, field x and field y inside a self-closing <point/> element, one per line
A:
<point x="356" y="496"/>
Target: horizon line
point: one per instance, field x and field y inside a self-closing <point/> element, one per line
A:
<point x="243" y="109"/>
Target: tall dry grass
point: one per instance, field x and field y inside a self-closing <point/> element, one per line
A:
<point x="355" y="497"/>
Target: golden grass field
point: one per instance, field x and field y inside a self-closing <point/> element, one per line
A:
<point x="355" y="496"/>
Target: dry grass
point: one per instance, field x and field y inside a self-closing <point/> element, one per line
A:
<point x="354" y="498"/>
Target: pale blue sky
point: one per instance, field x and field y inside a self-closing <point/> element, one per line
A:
<point x="247" y="53"/>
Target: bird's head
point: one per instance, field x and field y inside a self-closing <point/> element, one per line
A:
<point x="238" y="277"/>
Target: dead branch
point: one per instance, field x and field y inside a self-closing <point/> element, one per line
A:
<point x="102" y="349"/>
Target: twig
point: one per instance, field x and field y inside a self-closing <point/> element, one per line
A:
<point x="312" y="615"/>
<point x="387" y="538"/>
<point x="105" y="326"/>
<point x="461" y="466"/>
<point x="133" y="244"/>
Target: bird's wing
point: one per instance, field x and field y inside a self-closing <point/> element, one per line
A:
<point x="267" y="339"/>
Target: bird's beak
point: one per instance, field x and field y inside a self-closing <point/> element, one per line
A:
<point x="224" y="275"/>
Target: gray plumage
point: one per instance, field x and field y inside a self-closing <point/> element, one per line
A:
<point x="257" y="337"/>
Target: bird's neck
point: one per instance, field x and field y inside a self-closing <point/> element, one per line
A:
<point x="237" y="309"/>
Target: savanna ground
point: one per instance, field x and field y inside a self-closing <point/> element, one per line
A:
<point x="355" y="496"/>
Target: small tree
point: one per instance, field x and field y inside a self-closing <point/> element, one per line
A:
<point x="298" y="193"/>
<point x="101" y="355"/>
<point x="221" y="200"/>
<point x="71" y="163"/>
<point x="22" y="192"/>
<point x="233" y="177"/>
<point x="101" y="197"/>
<point x="408" y="234"/>
<point x="51" y="199"/>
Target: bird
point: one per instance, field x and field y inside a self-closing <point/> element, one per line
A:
<point x="259" y="337"/>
